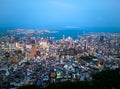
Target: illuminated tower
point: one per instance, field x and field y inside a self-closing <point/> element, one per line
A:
<point x="86" y="46"/>
<point x="63" y="37"/>
<point x="33" y="51"/>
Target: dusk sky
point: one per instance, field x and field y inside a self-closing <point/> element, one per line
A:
<point x="59" y="13"/>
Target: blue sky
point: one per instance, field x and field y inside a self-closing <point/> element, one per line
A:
<point x="59" y="13"/>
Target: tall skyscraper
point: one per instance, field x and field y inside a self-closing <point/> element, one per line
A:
<point x="33" y="50"/>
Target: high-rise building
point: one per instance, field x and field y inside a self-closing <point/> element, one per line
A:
<point x="33" y="50"/>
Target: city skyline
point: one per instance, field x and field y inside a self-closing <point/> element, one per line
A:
<point x="59" y="13"/>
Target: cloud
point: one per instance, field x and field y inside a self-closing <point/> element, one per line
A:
<point x="59" y="4"/>
<point x="100" y="18"/>
<point x="72" y="27"/>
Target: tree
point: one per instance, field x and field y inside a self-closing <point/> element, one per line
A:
<point x="29" y="87"/>
<point x="107" y="79"/>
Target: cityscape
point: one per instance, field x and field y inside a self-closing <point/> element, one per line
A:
<point x="59" y="44"/>
<point x="33" y="60"/>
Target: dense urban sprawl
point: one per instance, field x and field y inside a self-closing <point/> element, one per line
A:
<point x="33" y="60"/>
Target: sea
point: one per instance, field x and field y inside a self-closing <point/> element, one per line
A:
<point x="72" y="32"/>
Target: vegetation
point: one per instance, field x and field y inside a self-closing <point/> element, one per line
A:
<point x="107" y="79"/>
<point x="87" y="58"/>
<point x="29" y="87"/>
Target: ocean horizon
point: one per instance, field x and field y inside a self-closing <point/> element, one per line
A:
<point x="72" y="32"/>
